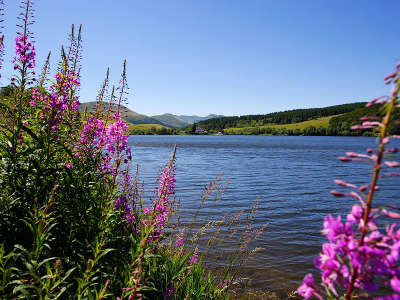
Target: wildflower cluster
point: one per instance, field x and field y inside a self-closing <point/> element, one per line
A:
<point x="360" y="257"/>
<point x="156" y="215"/>
<point x="72" y="223"/>
<point x="59" y="106"/>
<point x="122" y="203"/>
<point x="110" y="141"/>
<point x="24" y="53"/>
<point x="24" y="59"/>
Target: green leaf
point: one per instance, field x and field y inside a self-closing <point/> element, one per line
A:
<point x="46" y="261"/>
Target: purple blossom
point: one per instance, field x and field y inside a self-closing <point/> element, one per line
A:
<point x="378" y="256"/>
<point x="59" y="106"/>
<point x="167" y="183"/>
<point x="157" y="215"/>
<point x="108" y="140"/>
<point x="392" y="164"/>
<point x="179" y="242"/>
<point x="307" y="289"/>
<point x="359" y="255"/>
<point x="194" y="258"/>
<point x="395" y="284"/>
<point x="122" y="203"/>
<point x="169" y="291"/>
<point x="24" y="58"/>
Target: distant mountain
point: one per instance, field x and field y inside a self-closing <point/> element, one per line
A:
<point x="195" y="119"/>
<point x="171" y="120"/>
<point x="129" y="115"/>
<point x="175" y="121"/>
<point x="168" y="120"/>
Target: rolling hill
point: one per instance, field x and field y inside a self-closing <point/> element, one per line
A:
<point x="150" y="129"/>
<point x="171" y="120"/>
<point x="286" y="129"/>
<point x="129" y="115"/>
<point x="178" y="121"/>
<point x="334" y="124"/>
<point x="195" y="119"/>
<point x="167" y="120"/>
<point x="284" y="117"/>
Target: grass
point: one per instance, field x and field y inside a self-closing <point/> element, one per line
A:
<point x="145" y="126"/>
<point x="148" y="129"/>
<point x="319" y="122"/>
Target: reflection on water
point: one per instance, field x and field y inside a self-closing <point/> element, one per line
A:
<point x="291" y="176"/>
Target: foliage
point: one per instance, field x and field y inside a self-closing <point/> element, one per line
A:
<point x="73" y="222"/>
<point x="150" y="129"/>
<point x="312" y="127"/>
<point x="340" y="125"/>
<point x="286" y="117"/>
<point x="335" y="125"/>
<point x="361" y="257"/>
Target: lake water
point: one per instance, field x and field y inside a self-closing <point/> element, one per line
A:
<point x="291" y="176"/>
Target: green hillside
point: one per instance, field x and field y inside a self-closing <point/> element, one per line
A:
<point x="340" y="125"/>
<point x="195" y="119"/>
<point x="285" y="117"/>
<point x="286" y="129"/>
<point x="332" y="125"/>
<point x="332" y="120"/>
<point x="129" y="115"/>
<point x="150" y="129"/>
<point x="171" y="120"/>
<point x="319" y="122"/>
<point x="168" y="120"/>
<point x="180" y="121"/>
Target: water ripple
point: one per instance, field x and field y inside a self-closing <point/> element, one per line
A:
<point x="292" y="177"/>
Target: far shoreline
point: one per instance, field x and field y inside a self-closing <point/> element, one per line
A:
<point x="363" y="136"/>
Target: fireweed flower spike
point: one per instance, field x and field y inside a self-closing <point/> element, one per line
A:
<point x="45" y="71"/>
<point x="59" y="106"/>
<point x="359" y="257"/>
<point x="1" y="34"/>
<point x="24" y="59"/>
<point x="1" y="50"/>
<point x="308" y="289"/>
<point x="106" y="136"/>
<point x="158" y="213"/>
<point x="66" y="178"/>
<point x="194" y="258"/>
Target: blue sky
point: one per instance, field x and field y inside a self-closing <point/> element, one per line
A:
<point x="227" y="57"/>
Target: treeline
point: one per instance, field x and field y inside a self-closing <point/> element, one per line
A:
<point x="285" y="117"/>
<point x="341" y="125"/>
<point x="338" y="126"/>
<point x="152" y="131"/>
<point x="307" y="131"/>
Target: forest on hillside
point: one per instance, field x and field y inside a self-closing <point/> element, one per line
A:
<point x="285" y="117"/>
<point x="328" y="121"/>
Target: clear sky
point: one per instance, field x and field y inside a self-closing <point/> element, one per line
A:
<point x="230" y="57"/>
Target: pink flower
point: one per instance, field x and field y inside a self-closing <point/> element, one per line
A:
<point x="395" y="284"/>
<point x="392" y="164"/>
<point x="307" y="288"/>
<point x="24" y="54"/>
<point x="194" y="258"/>
<point x="179" y="242"/>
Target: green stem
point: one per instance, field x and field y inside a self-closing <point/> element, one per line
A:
<point x="375" y="177"/>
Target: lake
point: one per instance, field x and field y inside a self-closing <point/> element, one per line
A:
<point x="292" y="178"/>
